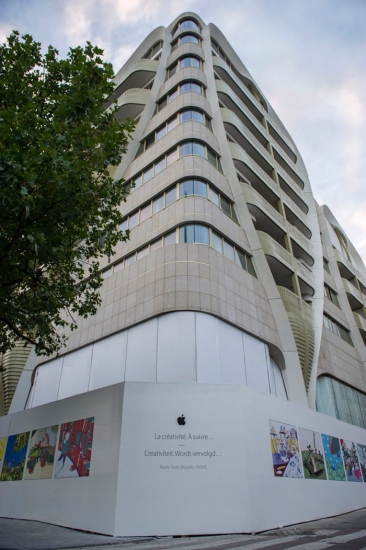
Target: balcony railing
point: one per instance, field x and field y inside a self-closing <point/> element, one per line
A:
<point x="253" y="197"/>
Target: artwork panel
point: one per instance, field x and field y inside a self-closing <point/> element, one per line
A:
<point x="2" y="451"/>
<point x="285" y="450"/>
<point x="14" y="459"/>
<point x="361" y="451"/>
<point x="74" y="449"/>
<point x="41" y="453"/>
<point x="333" y="458"/>
<point x="350" y="461"/>
<point x="312" y="454"/>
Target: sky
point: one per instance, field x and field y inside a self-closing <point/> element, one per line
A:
<point x="307" y="56"/>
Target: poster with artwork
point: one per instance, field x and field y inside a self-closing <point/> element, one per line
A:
<point x="74" y="448"/>
<point x="285" y="450"/>
<point x="361" y="451"/>
<point x="312" y="456"/>
<point x="2" y="451"/>
<point x="333" y="458"/>
<point x="41" y="453"/>
<point x="350" y="461"/>
<point x="14" y="459"/>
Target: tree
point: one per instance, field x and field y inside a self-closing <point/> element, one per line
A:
<point x="59" y="202"/>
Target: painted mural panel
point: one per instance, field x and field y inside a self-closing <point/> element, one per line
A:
<point x="2" y="451"/>
<point x="333" y="458"/>
<point x="285" y="450"/>
<point x="312" y="454"/>
<point x="14" y="460"/>
<point x="350" y="461"/>
<point x="41" y="453"/>
<point x="361" y="451"/>
<point x="75" y="448"/>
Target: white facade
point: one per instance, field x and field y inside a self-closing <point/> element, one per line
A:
<point x="237" y="300"/>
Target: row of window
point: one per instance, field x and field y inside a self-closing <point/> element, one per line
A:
<point x="186" y="61"/>
<point x="184" y="149"/>
<point x="185" y="39"/>
<point x="181" y="89"/>
<point x="335" y="327"/>
<point x="340" y="401"/>
<point x="186" y="25"/>
<point x="154" y="50"/>
<point x="191" y="187"/>
<point x="188" y="233"/>
<point x="331" y="295"/>
<point x="183" y="116"/>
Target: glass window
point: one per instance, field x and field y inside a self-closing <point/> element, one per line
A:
<point x="172" y="70"/>
<point x="107" y="273"/>
<point x="186" y="188"/>
<point x="189" y="62"/>
<point x="225" y="205"/>
<point x="202" y="234"/>
<point x="149" y="141"/>
<point x="229" y="250"/>
<point x="143" y="252"/>
<point x="198" y="116"/>
<point x="173" y="95"/>
<point x="145" y="213"/>
<point x="189" y="24"/>
<point x="172" y="123"/>
<point x="148" y="174"/>
<point x="189" y="38"/>
<point x="217" y="242"/>
<point x="163" y="103"/>
<point x="240" y="259"/>
<point x="155" y="245"/>
<point x="170" y="196"/>
<point x="118" y="267"/>
<point x="326" y="322"/>
<point x="171" y="157"/>
<point x="186" y="234"/>
<point x="186" y="149"/>
<point x="159" y="166"/>
<point x="194" y="233"/>
<point x="170" y="238"/>
<point x="123" y="225"/>
<point x="133" y="220"/>
<point x="250" y="266"/>
<point x="158" y="204"/>
<point x="214" y="197"/>
<point x="160" y="133"/>
<point x="137" y="181"/>
<point x="211" y="157"/>
<point x="130" y="259"/>
<point x="354" y="406"/>
<point x="200" y="188"/>
<point x="198" y="149"/>
<point x="208" y="123"/>
<point x="341" y="401"/>
<point x="233" y="214"/>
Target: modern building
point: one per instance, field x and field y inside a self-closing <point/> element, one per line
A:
<point x="232" y="328"/>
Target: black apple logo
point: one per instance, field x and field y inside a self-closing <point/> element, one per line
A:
<point x="181" y="420"/>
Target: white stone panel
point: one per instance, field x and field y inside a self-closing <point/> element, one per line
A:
<point x="208" y="371"/>
<point x="75" y="373"/>
<point x="256" y="363"/>
<point x="47" y="383"/>
<point x="231" y="354"/>
<point x="108" y="361"/>
<point x="176" y="347"/>
<point x="142" y="351"/>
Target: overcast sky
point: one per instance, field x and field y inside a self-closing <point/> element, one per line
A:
<point x="307" y="56"/>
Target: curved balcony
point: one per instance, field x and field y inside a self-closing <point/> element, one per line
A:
<point x="275" y="133"/>
<point x="306" y="275"/>
<point x="183" y="50"/>
<point x="257" y="177"/>
<point x="131" y="103"/>
<point x="354" y="295"/>
<point x="302" y="241"/>
<point x="349" y="267"/>
<point x="252" y="197"/>
<point x="234" y="104"/>
<point x="291" y="171"/>
<point x="294" y="304"/>
<point x="272" y="248"/>
<point x="136" y="76"/>
<point x="295" y="216"/>
<point x="295" y="194"/>
<point x="238" y="87"/>
<point x="360" y="322"/>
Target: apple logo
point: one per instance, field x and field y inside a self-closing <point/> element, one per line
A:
<point x="181" y="420"/>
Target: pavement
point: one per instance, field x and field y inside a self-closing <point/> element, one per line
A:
<point x="346" y="532"/>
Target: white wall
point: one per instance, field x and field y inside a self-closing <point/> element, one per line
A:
<point x="182" y="346"/>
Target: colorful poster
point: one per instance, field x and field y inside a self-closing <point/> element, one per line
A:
<point x="350" y="461"/>
<point x="75" y="448"/>
<point x="285" y="450"/>
<point x="361" y="451"/>
<point x="41" y="453"/>
<point x="333" y="458"/>
<point x="14" y="459"/>
<point x="2" y="451"/>
<point x="312" y="454"/>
